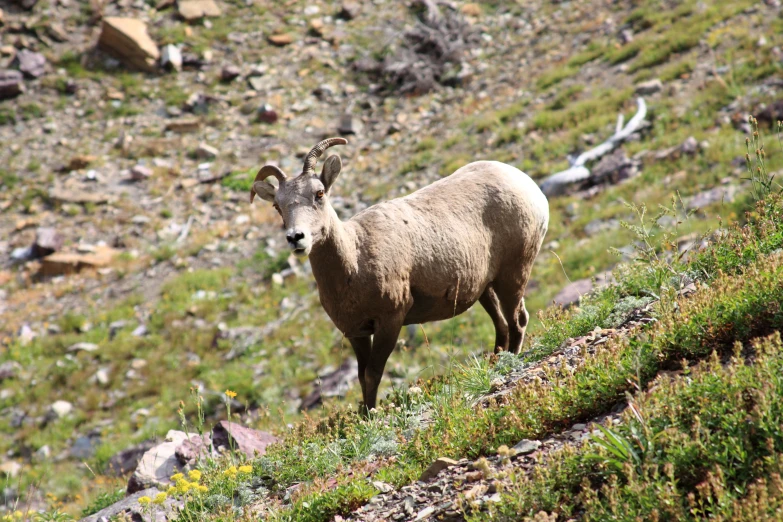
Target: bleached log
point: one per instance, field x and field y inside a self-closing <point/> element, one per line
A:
<point x="558" y="183"/>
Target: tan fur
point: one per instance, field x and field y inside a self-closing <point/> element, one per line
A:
<point x="472" y="236"/>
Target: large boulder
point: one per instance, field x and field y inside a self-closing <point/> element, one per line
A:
<point x="127" y="40"/>
<point x="159" y="463"/>
<point x="127" y="460"/>
<point x="130" y="509"/>
<point x="235" y="437"/>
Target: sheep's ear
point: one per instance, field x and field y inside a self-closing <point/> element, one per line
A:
<point x="332" y="167"/>
<point x="264" y="190"/>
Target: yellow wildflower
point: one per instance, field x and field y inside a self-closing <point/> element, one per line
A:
<point x="145" y="500"/>
<point x="18" y="514"/>
<point x="160" y="498"/>
<point x="231" y="472"/>
<point x="245" y="469"/>
<point x="177" y="476"/>
<point x="202" y="488"/>
<point x="171" y="490"/>
<point x="194" y="475"/>
<point x="183" y="486"/>
<point x="230" y="394"/>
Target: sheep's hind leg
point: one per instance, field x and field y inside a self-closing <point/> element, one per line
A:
<point x="489" y="300"/>
<point x="362" y="347"/>
<point x="512" y="302"/>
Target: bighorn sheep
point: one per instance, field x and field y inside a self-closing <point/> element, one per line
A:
<point x="428" y="256"/>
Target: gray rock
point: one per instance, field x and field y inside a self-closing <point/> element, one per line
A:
<point x="127" y="40"/>
<point x="205" y="151"/>
<point x="649" y="87"/>
<point x="84" y="447"/>
<point x="47" y="241"/>
<point x="266" y="114"/>
<point x="229" y="73"/>
<point x="597" y="226"/>
<point x="690" y="146"/>
<point x="9" y="370"/>
<point x="125" y="461"/>
<point x="349" y="125"/>
<point x="31" y="64"/>
<point x="526" y="446"/>
<point x="134" y="511"/>
<point x="233" y="436"/>
<point x="159" y="463"/>
<point x="59" y="409"/>
<point x="572" y="292"/>
<point x="349" y="10"/>
<point x="724" y="194"/>
<point x="11" y="83"/>
<point x="171" y="57"/>
<point x="140" y="173"/>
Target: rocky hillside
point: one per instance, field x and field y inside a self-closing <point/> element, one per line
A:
<point x="138" y="287"/>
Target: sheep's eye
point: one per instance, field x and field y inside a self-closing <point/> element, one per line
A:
<point x="319" y="194"/>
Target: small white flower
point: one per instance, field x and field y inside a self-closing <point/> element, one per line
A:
<point x="414" y="390"/>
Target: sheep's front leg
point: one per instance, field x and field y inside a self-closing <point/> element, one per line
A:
<point x="362" y="347"/>
<point x="383" y="343"/>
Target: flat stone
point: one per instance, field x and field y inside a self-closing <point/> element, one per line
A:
<point x="140" y="173"/>
<point x="192" y="10"/>
<point x="31" y="64"/>
<point x="127" y="40"/>
<point x="205" y="151"/>
<point x="192" y="450"/>
<point x="572" y="292"/>
<point x="436" y="467"/>
<point x="280" y="39"/>
<point x="184" y="125"/>
<point x="80" y="161"/>
<point x="63" y="263"/>
<point x="130" y="504"/>
<point x="240" y="438"/>
<point x="526" y="446"/>
<point x="725" y="194"/>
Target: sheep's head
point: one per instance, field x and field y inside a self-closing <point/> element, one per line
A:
<point x="303" y="201"/>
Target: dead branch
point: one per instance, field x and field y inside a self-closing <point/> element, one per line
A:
<point x="558" y="183"/>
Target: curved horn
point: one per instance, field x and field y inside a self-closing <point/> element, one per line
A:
<point x="265" y="172"/>
<point x="315" y="153"/>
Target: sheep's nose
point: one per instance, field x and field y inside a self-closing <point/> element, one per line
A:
<point x="294" y="237"/>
